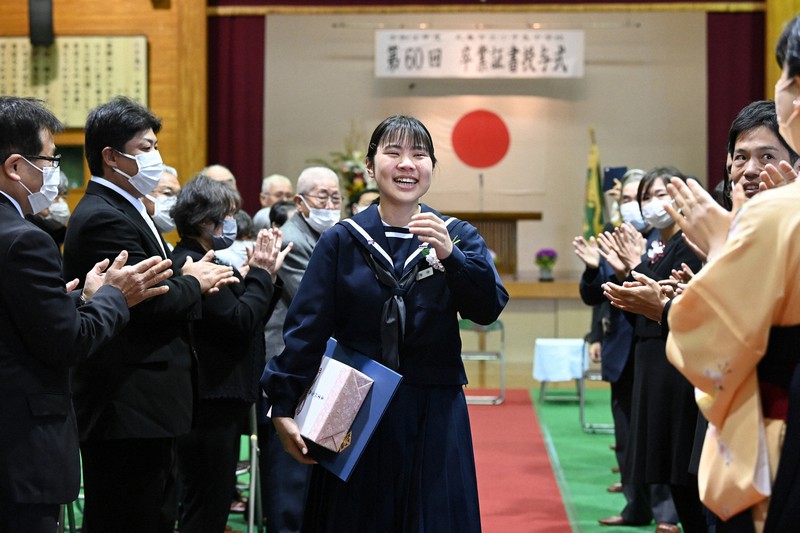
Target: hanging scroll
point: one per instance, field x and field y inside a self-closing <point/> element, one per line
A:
<point x="75" y="74"/>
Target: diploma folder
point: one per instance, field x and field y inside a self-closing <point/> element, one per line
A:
<point x="384" y="386"/>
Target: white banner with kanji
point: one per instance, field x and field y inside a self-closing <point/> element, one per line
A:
<point x="479" y="54"/>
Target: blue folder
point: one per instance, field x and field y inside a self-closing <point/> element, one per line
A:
<point x="385" y="383"/>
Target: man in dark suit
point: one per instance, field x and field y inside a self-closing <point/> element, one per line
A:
<point x="131" y="409"/>
<point x="44" y="329"/>
<point x="285" y="481"/>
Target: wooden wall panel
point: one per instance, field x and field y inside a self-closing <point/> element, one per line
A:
<point x="779" y="12"/>
<point x="176" y="35"/>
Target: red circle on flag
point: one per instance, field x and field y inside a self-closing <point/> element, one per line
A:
<point x="480" y="139"/>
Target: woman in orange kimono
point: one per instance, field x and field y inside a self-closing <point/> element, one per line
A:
<point x="735" y="334"/>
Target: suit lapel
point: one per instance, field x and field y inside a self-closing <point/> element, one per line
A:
<point x="124" y="206"/>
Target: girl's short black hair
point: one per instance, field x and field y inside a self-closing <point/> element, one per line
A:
<point x="404" y="130"/>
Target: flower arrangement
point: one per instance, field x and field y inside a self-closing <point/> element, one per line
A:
<point x="546" y="258"/>
<point x="351" y="166"/>
<point x="430" y="254"/>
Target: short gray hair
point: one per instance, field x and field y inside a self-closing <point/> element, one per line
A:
<point x="312" y="176"/>
<point x="171" y="170"/>
<point x="217" y="169"/>
<point x="267" y="182"/>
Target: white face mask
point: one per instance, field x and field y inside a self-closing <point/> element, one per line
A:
<point x="41" y="199"/>
<point x="321" y="219"/>
<point x="161" y="216"/>
<point x="150" y="169"/>
<point x="655" y="214"/>
<point x="59" y="211"/>
<point x="632" y="215"/>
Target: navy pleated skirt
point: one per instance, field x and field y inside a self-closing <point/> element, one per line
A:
<point x="417" y="474"/>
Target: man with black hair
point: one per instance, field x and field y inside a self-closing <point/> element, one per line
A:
<point x="753" y="142"/>
<point x="44" y="327"/>
<point x="131" y="407"/>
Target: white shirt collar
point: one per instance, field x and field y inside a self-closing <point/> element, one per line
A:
<point x="135" y="202"/>
<point x="16" y="204"/>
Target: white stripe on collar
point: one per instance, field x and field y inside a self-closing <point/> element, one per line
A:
<point x="371" y="241"/>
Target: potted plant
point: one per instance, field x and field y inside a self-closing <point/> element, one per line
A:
<point x="546" y="260"/>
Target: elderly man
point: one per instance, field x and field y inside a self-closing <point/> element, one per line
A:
<point x="136" y="395"/>
<point x="44" y="328"/>
<point x="285" y="481"/>
<point x="274" y="189"/>
<point x="159" y="202"/>
<point x="221" y="173"/>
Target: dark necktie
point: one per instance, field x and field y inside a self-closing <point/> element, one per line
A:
<point x="393" y="316"/>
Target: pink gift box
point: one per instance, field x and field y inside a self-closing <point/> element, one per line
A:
<point x="326" y="412"/>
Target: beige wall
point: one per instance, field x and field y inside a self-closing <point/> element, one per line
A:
<point x="644" y="93"/>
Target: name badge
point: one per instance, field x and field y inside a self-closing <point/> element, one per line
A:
<point x="422" y="274"/>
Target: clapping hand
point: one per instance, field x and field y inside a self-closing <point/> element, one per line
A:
<point x="643" y="296"/>
<point x="587" y="251"/>
<point x="622" y="249"/>
<point x="683" y="275"/>
<point x="608" y="251"/>
<point x="630" y="245"/>
<point x="211" y="276"/>
<point x="703" y="221"/>
<point x="266" y="252"/>
<point x="137" y="282"/>
<point x="772" y="176"/>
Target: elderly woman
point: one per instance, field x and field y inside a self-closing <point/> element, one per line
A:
<point x="227" y="337"/>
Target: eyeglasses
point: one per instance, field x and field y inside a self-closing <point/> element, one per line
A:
<point x="324" y="197"/>
<point x="55" y="161"/>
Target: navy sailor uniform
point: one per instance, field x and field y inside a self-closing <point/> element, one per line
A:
<point x="418" y="472"/>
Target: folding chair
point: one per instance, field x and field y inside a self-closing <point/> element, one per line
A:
<point x="254" y="508"/>
<point x="590" y="373"/>
<point x="482" y="354"/>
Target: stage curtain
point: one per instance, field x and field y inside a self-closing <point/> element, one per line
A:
<point x="236" y="101"/>
<point x="735" y="55"/>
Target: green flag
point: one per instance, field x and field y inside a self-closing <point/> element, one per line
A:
<point x="593" y="208"/>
